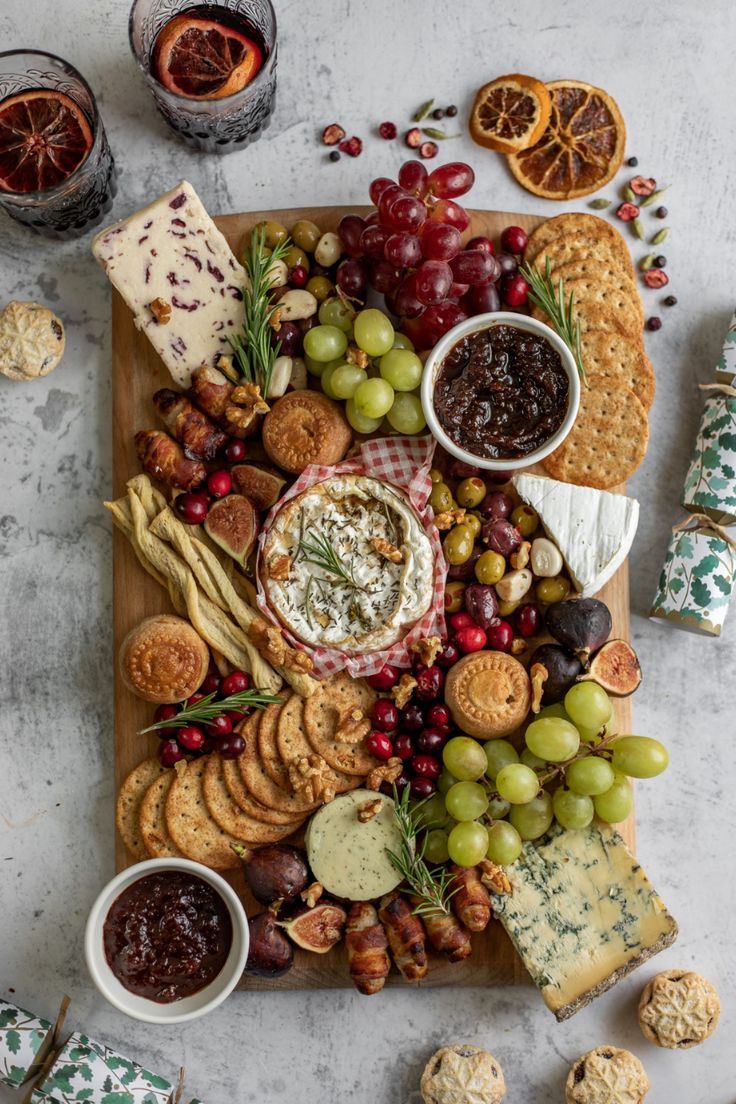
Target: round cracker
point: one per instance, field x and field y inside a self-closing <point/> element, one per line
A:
<point x="607" y="442"/>
<point x="565" y="250"/>
<point x="569" y="225"/>
<point x="616" y="359"/>
<point x="231" y="817"/>
<point x="268" y="747"/>
<point x="128" y="805"/>
<point x="607" y="269"/>
<point x="294" y="745"/>
<point x="589" y="293"/>
<point x="261" y="786"/>
<point x="190" y="824"/>
<point x="593" y="285"/>
<point x="152" y="819"/>
<point x="323" y="709"/>
<point x="241" y="796"/>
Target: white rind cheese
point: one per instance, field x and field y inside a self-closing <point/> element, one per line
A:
<point x="593" y="530"/>
<point x="347" y="856"/>
<point x="172" y="251"/>
<point x="581" y="914"/>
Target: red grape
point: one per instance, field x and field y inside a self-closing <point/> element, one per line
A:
<point x="406" y="302"/>
<point x="403" y="250"/>
<point x="507" y="263"/>
<point x="514" y="240"/>
<point x="484" y="298"/>
<point x="413" y="178"/>
<point x="406" y="213"/>
<point x="350" y="229"/>
<point x="473" y="266"/>
<point x="433" y="281"/>
<point x="436" y="321"/>
<point x="482" y="243"/>
<point x="454" y="179"/>
<point x="372" y="241"/>
<point x="389" y="195"/>
<point x="350" y="278"/>
<point x="377" y="187"/>
<point x="450" y="213"/>
<point x="457" y="291"/>
<point x="439" y="242"/>
<point x="384" y="277"/>
<point x="515" y="290"/>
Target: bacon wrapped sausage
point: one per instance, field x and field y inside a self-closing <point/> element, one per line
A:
<point x="198" y="436"/>
<point x="471" y="902"/>
<point x="163" y="459"/>
<point x="446" y="934"/>
<point x="406" y="936"/>
<point x="367" y="948"/>
<point x="235" y="407"/>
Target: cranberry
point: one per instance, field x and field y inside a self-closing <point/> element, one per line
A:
<point x="353" y="147"/>
<point x="235" y="450"/>
<point x="169" y="753"/>
<point x="196" y="697"/>
<point x="528" y="620"/>
<point x="426" y="766"/>
<point x="234" y="683"/>
<point x="507" y="263"/>
<point x="482" y="243"/>
<point x="219" y="726"/>
<point x="230" y="747"/>
<point x="219" y="483"/>
<point x="496" y="504"/>
<point x="192" y="507"/>
<point x="211" y="683"/>
<point x="514" y="240"/>
<point x="438" y="715"/>
<point x="332" y="134"/>
<point x="428" y="149"/>
<point x="385" y="715"/>
<point x="379" y="745"/>
<point x="449" y="656"/>
<point x="165" y="713"/>
<point x="191" y="737"/>
<point x="430" y="683"/>
<point x="298" y="278"/>
<point x="388" y="131"/>
<point x="412" y="717"/>
<point x="514" y="290"/>
<point x="627" y="212"/>
<point x="654" y="323"/>
<point x="432" y="740"/>
<point x="471" y="639"/>
<point x="422" y="787"/>
<point x="385" y="679"/>
<point x="500" y="636"/>
<point x="461" y="620"/>
<point x="403" y="746"/>
<point x="238" y="715"/>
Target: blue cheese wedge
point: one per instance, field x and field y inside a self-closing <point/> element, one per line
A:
<point x="581" y="914"/>
<point x="593" y="530"/>
<point x="347" y="854"/>
<point x="178" y="275"/>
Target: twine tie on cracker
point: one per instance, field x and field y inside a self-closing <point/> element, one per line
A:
<point x="723" y="388"/>
<point x="704" y="522"/>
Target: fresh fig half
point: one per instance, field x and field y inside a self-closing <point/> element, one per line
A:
<point x="270" y="954"/>
<point x="317" y="929"/>
<point x="581" y="624"/>
<point x="616" y="668"/>
<point x="232" y="522"/>
<point x="276" y="872"/>
<point x="563" y="670"/>
<point x="262" y="485"/>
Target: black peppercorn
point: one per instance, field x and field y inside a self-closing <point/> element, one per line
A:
<point x="451" y="111"/>
<point x="633" y="162"/>
<point x="661" y="212"/>
<point x="670" y="301"/>
<point x="438" y="113"/>
<point x="334" y="156"/>
<point x="660" y="262"/>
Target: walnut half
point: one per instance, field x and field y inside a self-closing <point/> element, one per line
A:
<point x="386" y="772"/>
<point x="369" y="809"/>
<point x="161" y="311"/>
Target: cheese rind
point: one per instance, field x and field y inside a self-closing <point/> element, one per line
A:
<point x="172" y="251"/>
<point x="581" y="914"/>
<point x="593" y="529"/>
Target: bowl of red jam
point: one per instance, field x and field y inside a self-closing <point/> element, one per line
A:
<point x="166" y="941"/>
<point x="500" y="391"/>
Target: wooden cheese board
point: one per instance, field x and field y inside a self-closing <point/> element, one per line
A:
<point x="137" y="373"/>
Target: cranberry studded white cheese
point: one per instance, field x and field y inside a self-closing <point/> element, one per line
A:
<point x="178" y="275"/>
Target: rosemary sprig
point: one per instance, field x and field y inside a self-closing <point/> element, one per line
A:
<point x="207" y="709"/>
<point x="318" y="551"/>
<point x="551" y="299"/>
<point x="432" y="887"/>
<point x="254" y="353"/>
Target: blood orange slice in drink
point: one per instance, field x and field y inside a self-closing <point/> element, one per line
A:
<point x="204" y="59"/>
<point x="44" y="137"/>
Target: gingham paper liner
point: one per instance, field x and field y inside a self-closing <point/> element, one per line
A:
<point x="404" y="462"/>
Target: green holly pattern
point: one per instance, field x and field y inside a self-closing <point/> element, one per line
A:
<point x="22" y="1035"/>
<point x="710" y="484"/>
<point x="696" y="581"/>
<point x="726" y="367"/>
<point x="86" y="1070"/>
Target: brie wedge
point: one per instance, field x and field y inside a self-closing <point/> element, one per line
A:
<point x="593" y="530"/>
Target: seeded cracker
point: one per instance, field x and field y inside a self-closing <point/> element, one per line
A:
<point x="242" y="797"/>
<point x="129" y="801"/>
<point x="612" y="358"/>
<point x="625" y="305"/>
<point x="322" y="715"/>
<point x="231" y="817"/>
<point x="152" y="819"/>
<point x="569" y="226"/>
<point x="261" y="786"/>
<point x="581" y="247"/>
<point x="190" y="824"/>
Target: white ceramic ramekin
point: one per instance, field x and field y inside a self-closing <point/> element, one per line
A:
<point x="484" y="322"/>
<point x="188" y="1008"/>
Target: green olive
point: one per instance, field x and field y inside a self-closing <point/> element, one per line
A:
<point x="525" y="519"/>
<point x="458" y="545"/>
<point x="471" y="492"/>
<point x="440" y="498"/>
<point x="295" y="256"/>
<point x="473" y="523"/>
<point x="490" y="567"/>
<point x="321" y="288"/>
<point x="507" y="608"/>
<point x="436" y="475"/>
<point x="273" y="232"/>
<point x="454" y="596"/>
<point x="305" y="235"/>
<point x="553" y="590"/>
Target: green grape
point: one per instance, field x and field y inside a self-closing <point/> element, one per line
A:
<point x="402" y="368"/>
<point x="616" y="803"/>
<point x="435" y="846"/>
<point x="552" y="739"/>
<point x="588" y="704"/>
<point x="517" y="783"/>
<point x="325" y="343"/>
<point x="373" y="331"/>
<point x="445" y="780"/>
<point x="345" y="379"/>
<point x="529" y="759"/>
<point x="327" y="374"/>
<point x="498" y="808"/>
<point x="359" y="422"/>
<point x="373" y="398"/>
<point x="499" y="753"/>
<point x="432" y="812"/>
<point x="467" y="843"/>
<point x="333" y="312"/>
<point x="504" y="843"/>
<point x="590" y="776"/>
<point x="573" y="810"/>
<point x="401" y="341"/>
<point x="556" y="710"/>
<point x="406" y="414"/>
<point x="466" y="801"/>
<point x="314" y="367"/>
<point x="465" y="758"/>
<point x="533" y="819"/>
<point x="639" y="756"/>
<point x="592" y="734"/>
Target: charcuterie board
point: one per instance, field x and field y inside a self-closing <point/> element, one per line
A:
<point x="137" y="373"/>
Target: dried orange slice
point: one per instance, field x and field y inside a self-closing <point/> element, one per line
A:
<point x="510" y="113"/>
<point x="204" y="59"/>
<point x="581" y="148"/>
<point x="44" y="137"/>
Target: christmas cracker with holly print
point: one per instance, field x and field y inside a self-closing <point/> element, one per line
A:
<point x="710" y="483"/>
<point x="726" y="366"/>
<point x="697" y="577"/>
<point x="25" y="1040"/>
<point x="87" y="1072"/>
